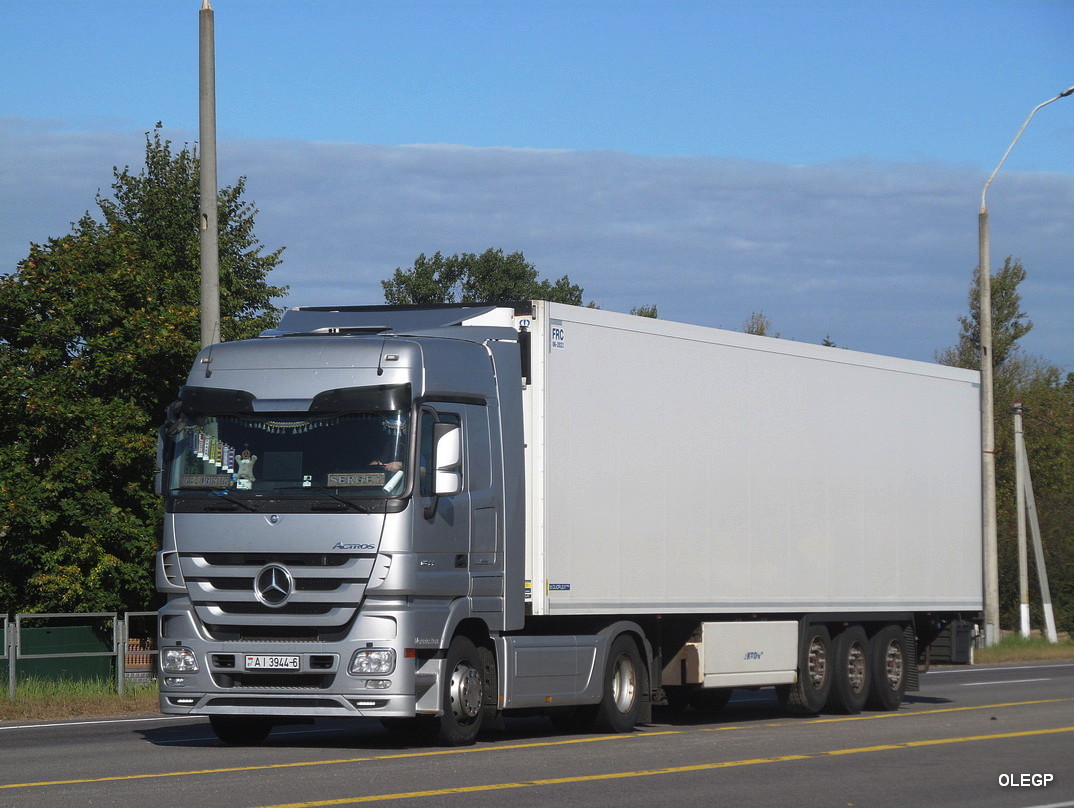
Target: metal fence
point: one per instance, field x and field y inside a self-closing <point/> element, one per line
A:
<point x="75" y="645"/>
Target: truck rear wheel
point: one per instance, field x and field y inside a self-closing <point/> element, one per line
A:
<point x="852" y="672"/>
<point x="889" y="669"/>
<point x="240" y="730"/>
<point x="810" y="693"/>
<point x="623" y="677"/>
<point x="463" y="695"/>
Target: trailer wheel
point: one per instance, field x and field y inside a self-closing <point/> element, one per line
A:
<point x="463" y="695"/>
<point x="889" y="668"/>
<point x="623" y="677"/>
<point x="240" y="730"/>
<point x="852" y="672"/>
<point x="810" y="693"/>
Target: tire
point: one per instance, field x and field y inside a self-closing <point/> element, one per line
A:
<point x="623" y="681"/>
<point x="810" y="693"/>
<point x="851" y="672"/>
<point x="463" y="695"/>
<point x="890" y="666"/>
<point x="240" y="730"/>
<point x="710" y="699"/>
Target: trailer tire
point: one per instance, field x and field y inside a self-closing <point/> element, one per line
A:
<point x="623" y="677"/>
<point x="463" y="695"/>
<point x="240" y="730"/>
<point x="890" y="666"/>
<point x="851" y="671"/>
<point x="809" y="694"/>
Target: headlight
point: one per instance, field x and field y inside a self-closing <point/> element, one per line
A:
<point x="178" y="660"/>
<point x="380" y="661"/>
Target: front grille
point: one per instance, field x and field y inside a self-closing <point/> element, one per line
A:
<point x="325" y="593"/>
<point x="288" y="608"/>
<point x="287" y="559"/>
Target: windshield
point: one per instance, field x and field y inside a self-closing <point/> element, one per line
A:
<point x="250" y="455"/>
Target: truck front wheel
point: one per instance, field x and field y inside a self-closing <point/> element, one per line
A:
<point x="463" y="695"/>
<point x="623" y="677"/>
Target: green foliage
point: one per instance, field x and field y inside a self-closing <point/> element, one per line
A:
<point x="645" y="311"/>
<point x="1048" y="402"/>
<point x="97" y="330"/>
<point x="759" y="325"/>
<point x="1009" y="323"/>
<point x="469" y="278"/>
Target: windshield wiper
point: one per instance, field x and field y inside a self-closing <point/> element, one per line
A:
<point x="321" y="489"/>
<point x="223" y="494"/>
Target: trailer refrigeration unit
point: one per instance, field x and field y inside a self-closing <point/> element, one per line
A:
<point x="442" y="516"/>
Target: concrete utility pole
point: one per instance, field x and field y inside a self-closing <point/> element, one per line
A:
<point x="210" y="246"/>
<point x="988" y="430"/>
<point x="1020" y="507"/>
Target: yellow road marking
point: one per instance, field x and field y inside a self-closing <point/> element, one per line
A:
<point x="300" y="764"/>
<point x="508" y="747"/>
<point x="589" y="778"/>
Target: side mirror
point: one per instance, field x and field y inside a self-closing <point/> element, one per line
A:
<point x="447" y="456"/>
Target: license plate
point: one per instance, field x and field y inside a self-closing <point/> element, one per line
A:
<point x="266" y="662"/>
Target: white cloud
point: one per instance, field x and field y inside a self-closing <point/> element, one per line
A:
<point x="878" y="256"/>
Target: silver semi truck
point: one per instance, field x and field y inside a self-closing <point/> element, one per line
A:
<point x="441" y="516"/>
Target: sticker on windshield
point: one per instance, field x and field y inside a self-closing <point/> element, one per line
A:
<point x="341" y="480"/>
<point x="206" y="481"/>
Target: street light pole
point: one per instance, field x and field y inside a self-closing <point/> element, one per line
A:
<point x="988" y="431"/>
<point x="209" y="247"/>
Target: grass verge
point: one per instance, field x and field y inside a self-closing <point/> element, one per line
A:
<point x="1015" y="648"/>
<point x="41" y="700"/>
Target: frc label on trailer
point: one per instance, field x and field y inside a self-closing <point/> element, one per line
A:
<point x="557" y="335"/>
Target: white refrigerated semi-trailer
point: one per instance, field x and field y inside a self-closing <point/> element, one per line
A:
<point x="443" y="515"/>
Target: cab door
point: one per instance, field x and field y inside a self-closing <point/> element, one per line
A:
<point x="441" y="522"/>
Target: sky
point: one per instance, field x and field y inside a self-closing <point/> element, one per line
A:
<point x="819" y="162"/>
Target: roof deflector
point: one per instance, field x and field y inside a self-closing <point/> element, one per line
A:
<point x="366" y="319"/>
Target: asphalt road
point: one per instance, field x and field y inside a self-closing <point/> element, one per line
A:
<point x="998" y="736"/>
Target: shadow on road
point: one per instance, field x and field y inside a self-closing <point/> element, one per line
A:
<point x="369" y="735"/>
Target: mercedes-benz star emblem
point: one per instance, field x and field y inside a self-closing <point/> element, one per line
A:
<point x="273" y="585"/>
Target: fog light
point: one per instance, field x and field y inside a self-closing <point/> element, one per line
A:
<point x="178" y="660"/>
<point x="378" y="684"/>
<point x="174" y="681"/>
<point x="373" y="660"/>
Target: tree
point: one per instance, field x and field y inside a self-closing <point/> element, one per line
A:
<point x="1009" y="323"/>
<point x="759" y="325"/>
<point x="97" y="330"/>
<point x="645" y="311"/>
<point x="1048" y="402"/>
<point x="469" y="278"/>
